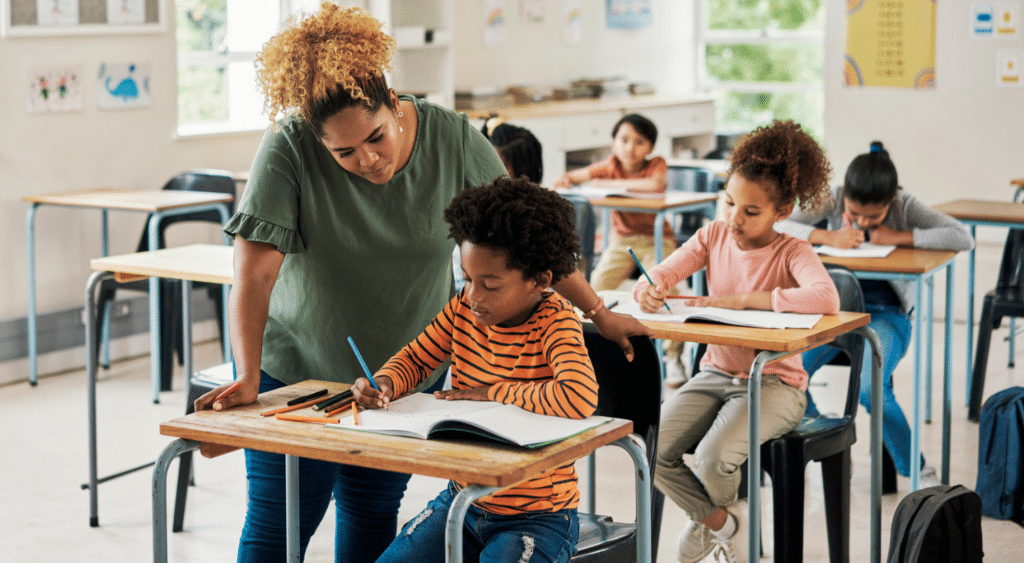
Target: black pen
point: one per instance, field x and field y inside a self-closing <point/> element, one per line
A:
<point x="305" y="398"/>
<point x="328" y="402"/>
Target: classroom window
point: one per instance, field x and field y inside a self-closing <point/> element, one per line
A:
<point x="217" y="42"/>
<point x="763" y="60"/>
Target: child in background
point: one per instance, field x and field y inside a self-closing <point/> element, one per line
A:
<point x="750" y="266"/>
<point x="871" y="206"/>
<point x="511" y="340"/>
<point x="630" y="167"/>
<point x="518" y="148"/>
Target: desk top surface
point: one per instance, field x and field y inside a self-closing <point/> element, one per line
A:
<point x="983" y="210"/>
<point x="480" y="462"/>
<point x="129" y="200"/>
<point x="670" y="201"/>
<point x="900" y="261"/>
<point x="565" y="108"/>
<point x="210" y="263"/>
<point x="771" y="339"/>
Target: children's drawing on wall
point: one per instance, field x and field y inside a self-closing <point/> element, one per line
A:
<point x="57" y="12"/>
<point x="996" y="20"/>
<point x="493" y="12"/>
<point x="55" y="89"/>
<point x="629" y="14"/>
<point x="126" y="12"/>
<point x="572" y="22"/>
<point x="123" y="86"/>
<point x="1009" y="70"/>
<point x="890" y="43"/>
<point x="533" y="11"/>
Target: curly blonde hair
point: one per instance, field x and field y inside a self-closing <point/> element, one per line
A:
<point x="791" y="161"/>
<point x="330" y="60"/>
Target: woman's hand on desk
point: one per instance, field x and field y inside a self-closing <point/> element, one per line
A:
<point x="229" y="395"/>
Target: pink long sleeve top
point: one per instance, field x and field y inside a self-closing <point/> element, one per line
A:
<point x="788" y="268"/>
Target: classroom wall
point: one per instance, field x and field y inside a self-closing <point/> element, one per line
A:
<point x="535" y="53"/>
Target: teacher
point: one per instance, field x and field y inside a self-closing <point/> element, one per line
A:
<point x="340" y="232"/>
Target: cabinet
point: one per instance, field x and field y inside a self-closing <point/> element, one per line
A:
<point x="424" y="64"/>
<point x="576" y="132"/>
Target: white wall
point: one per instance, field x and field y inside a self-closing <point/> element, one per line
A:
<point x="535" y="53"/>
<point x="965" y="138"/>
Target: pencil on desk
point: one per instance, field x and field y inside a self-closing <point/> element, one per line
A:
<point x="305" y="398"/>
<point x="300" y="418"/>
<point x="328" y="402"/>
<point x="234" y="387"/>
<point x="355" y="413"/>
<point x="272" y="412"/>
<point x="683" y="296"/>
<point x="338" y="409"/>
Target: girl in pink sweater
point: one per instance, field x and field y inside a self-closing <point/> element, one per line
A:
<point x="749" y="266"/>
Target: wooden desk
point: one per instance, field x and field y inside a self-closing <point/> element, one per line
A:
<point x="487" y="466"/>
<point x="772" y="345"/>
<point x="918" y="266"/>
<point x="673" y="202"/>
<point x="198" y="262"/>
<point x="985" y="213"/>
<point x="160" y="203"/>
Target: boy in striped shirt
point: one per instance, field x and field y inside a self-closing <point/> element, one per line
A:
<point x="511" y="340"/>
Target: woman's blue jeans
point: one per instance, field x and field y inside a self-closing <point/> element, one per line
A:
<point x="893" y="329"/>
<point x="540" y="537"/>
<point x="366" y="503"/>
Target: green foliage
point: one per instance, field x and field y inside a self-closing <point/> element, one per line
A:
<point x="739" y="112"/>
<point x="788" y="15"/>
<point x="795" y="63"/>
<point x="201" y="25"/>
<point x="202" y="94"/>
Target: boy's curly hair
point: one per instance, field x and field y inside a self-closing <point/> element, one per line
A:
<point x="789" y="160"/>
<point x="534" y="226"/>
<point x="336" y="57"/>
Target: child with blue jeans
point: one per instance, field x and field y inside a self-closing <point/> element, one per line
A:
<point x="871" y="207"/>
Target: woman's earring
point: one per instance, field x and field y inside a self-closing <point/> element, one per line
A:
<point x="400" y="114"/>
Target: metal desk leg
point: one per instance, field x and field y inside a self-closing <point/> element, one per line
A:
<point x="456" y="518"/>
<point x="929" y="324"/>
<point x="915" y="425"/>
<point x="105" y="228"/>
<point x="30" y="237"/>
<point x="659" y="236"/>
<point x="91" y="368"/>
<point x="638" y="451"/>
<point x="173" y="450"/>
<point x="876" y="441"/>
<point x="754" y="451"/>
<point x="970" y="319"/>
<point x="154" y="313"/>
<point x="186" y="329"/>
<point x="592" y="483"/>
<point x="291" y="507"/>
<point x="947" y="376"/>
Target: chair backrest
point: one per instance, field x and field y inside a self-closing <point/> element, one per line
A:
<point x="1011" y="268"/>
<point x="630" y="390"/>
<point x="203" y="180"/>
<point x="586" y="229"/>
<point x="689" y="179"/>
<point x="851" y="299"/>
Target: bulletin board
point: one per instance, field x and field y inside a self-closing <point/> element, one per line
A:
<point x="890" y="43"/>
<point x="22" y="18"/>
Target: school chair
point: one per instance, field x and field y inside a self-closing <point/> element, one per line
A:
<point x="1006" y="300"/>
<point x="823" y="439"/>
<point x="630" y="390"/>
<point x="199" y="384"/>
<point x="220" y="181"/>
<point x="586" y="229"/>
<point x="688" y="179"/>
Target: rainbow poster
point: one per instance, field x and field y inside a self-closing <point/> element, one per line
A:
<point x="493" y="12"/>
<point x="572" y="22"/>
<point x="890" y="43"/>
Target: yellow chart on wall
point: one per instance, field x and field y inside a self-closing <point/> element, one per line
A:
<point x="890" y="43"/>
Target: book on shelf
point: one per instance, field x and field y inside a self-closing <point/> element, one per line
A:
<point x="420" y="415"/>
<point x="865" y="250"/>
<point x="682" y="313"/>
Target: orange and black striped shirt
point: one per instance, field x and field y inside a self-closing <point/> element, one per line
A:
<point x="541" y="366"/>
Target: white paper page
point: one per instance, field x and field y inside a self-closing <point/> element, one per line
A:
<point x="412" y="415"/>
<point x="866" y="250"/>
<point x="594" y="191"/>
<point x="681" y="313"/>
<point x="524" y="427"/>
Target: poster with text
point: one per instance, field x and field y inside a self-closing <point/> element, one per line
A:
<point x="572" y="22"/>
<point x="890" y="43"/>
<point x="123" y="86"/>
<point x="493" y="12"/>
<point x="55" y="89"/>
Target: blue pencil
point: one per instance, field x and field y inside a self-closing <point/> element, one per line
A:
<point x="644" y="272"/>
<point x="359" y="357"/>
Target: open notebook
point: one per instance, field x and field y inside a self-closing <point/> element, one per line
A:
<point x="746" y="317"/>
<point x="420" y="415"/>
<point x="865" y="250"/>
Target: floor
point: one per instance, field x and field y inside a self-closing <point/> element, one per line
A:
<point x="45" y="510"/>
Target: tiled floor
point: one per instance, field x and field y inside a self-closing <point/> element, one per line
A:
<point x="44" y="514"/>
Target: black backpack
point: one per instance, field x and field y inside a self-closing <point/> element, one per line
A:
<point x="940" y="524"/>
<point x="1001" y="455"/>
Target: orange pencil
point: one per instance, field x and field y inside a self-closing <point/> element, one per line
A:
<point x="683" y="296"/>
<point x="228" y="391"/>
<point x="355" y="413"/>
<point x="339" y="409"/>
<point x="300" y="418"/>
<point x="291" y="408"/>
